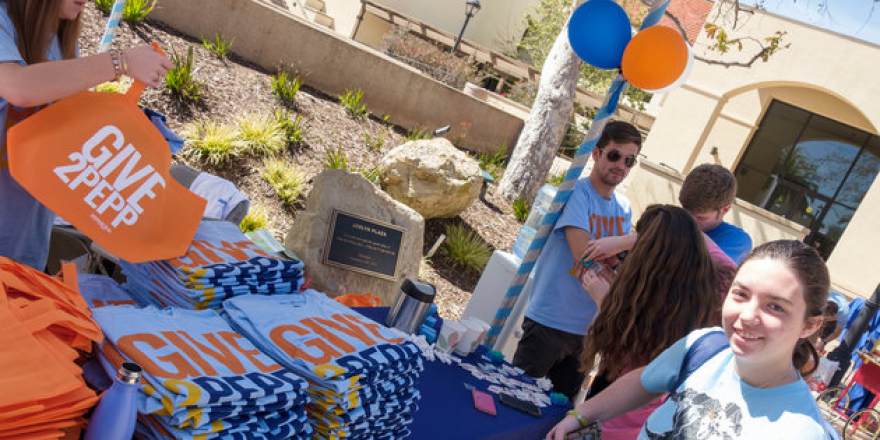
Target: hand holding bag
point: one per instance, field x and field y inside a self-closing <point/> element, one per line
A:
<point x="97" y="161"/>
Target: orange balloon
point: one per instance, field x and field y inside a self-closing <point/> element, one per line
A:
<point x="654" y="58"/>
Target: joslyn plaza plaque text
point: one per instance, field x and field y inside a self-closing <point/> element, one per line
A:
<point x="363" y="245"/>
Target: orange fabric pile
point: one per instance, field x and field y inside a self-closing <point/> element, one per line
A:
<point x="45" y="326"/>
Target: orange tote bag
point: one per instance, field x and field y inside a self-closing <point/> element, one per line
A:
<point x="97" y="161"/>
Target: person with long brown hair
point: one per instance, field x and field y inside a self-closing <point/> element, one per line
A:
<point x="666" y="288"/>
<point x="749" y="386"/>
<point x="39" y="64"/>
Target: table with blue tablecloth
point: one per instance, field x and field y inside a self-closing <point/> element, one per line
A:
<point x="446" y="410"/>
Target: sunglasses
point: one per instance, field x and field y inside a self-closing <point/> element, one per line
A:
<point x="614" y="156"/>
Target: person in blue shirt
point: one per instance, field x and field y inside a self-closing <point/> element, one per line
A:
<point x="560" y="310"/>
<point x="39" y="65"/>
<point x="753" y="387"/>
<point x="708" y="192"/>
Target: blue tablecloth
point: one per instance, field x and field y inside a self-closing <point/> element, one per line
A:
<point x="447" y="411"/>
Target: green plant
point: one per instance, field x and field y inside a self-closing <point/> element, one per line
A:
<point x="465" y="248"/>
<point x="372" y="174"/>
<point x="287" y="180"/>
<point x="375" y="143"/>
<point x="112" y="87"/>
<point x="521" y="209"/>
<point x="417" y="134"/>
<point x="493" y="163"/>
<point x="284" y="87"/>
<point x="104" y="5"/>
<point x="293" y="128"/>
<point x="219" y="46"/>
<point x="335" y="160"/>
<point x="136" y="11"/>
<point x="556" y="179"/>
<point x="261" y="135"/>
<point x="214" y="142"/>
<point x="180" y="80"/>
<point x="256" y="218"/>
<point x="523" y="92"/>
<point x="351" y="101"/>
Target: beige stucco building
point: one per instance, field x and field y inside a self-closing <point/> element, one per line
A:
<point x="799" y="132"/>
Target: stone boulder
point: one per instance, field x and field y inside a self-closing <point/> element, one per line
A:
<point x="432" y="177"/>
<point x="352" y="193"/>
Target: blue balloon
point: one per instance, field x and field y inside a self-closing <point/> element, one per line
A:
<point x="599" y="31"/>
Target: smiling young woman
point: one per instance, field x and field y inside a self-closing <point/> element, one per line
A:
<point x="751" y="389"/>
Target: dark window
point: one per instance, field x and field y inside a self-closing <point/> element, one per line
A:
<point x="809" y="169"/>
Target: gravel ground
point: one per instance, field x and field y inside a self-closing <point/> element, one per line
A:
<point x="234" y="87"/>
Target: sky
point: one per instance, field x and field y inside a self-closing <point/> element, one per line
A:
<point x="856" y="18"/>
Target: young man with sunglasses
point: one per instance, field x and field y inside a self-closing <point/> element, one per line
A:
<point x="560" y="310"/>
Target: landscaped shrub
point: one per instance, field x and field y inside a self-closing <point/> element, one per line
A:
<point x="286" y="178"/>
<point x="180" y="80"/>
<point x="104" y="5"/>
<point x="523" y="92"/>
<point x="335" y="159"/>
<point x="351" y="101"/>
<point x="213" y="142"/>
<point x="556" y="179"/>
<point x="521" y="209"/>
<point x="375" y="143"/>
<point x="136" y="11"/>
<point x="219" y="46"/>
<point x="465" y="248"/>
<point x="256" y="218"/>
<point x="494" y="163"/>
<point x="433" y="60"/>
<point x="417" y="134"/>
<point x="284" y="87"/>
<point x="293" y="128"/>
<point x="261" y="135"/>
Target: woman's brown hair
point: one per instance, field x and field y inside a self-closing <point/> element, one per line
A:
<point x="666" y="288"/>
<point x="810" y="270"/>
<point x="36" y="21"/>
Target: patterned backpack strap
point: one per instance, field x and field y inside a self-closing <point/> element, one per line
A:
<point x="703" y="349"/>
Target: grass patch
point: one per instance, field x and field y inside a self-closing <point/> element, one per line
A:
<point x="285" y="86"/>
<point x="113" y="87"/>
<point x="218" y="46"/>
<point x="136" y="11"/>
<point x="261" y="135"/>
<point x="556" y="179"/>
<point x="465" y="248"/>
<point x="286" y="178"/>
<point x="213" y="142"/>
<point x="335" y="159"/>
<point x="521" y="209"/>
<point x="372" y="174"/>
<point x="375" y="143"/>
<point x="256" y="218"/>
<point x="293" y="128"/>
<point x="417" y="134"/>
<point x="104" y="5"/>
<point x="180" y="81"/>
<point x="351" y="101"/>
<point x="494" y="163"/>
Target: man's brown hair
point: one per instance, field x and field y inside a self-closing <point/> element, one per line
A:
<point x="707" y="187"/>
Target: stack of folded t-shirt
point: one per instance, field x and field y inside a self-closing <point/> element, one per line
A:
<point x="361" y="375"/>
<point x="101" y="290"/>
<point x="44" y="329"/>
<point x="221" y="263"/>
<point x="201" y="379"/>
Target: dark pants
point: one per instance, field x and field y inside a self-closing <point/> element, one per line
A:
<point x="551" y="353"/>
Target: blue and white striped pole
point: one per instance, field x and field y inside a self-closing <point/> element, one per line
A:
<point x="564" y="192"/>
<point x="112" y="25"/>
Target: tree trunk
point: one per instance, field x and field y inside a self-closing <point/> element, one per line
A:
<point x="548" y="122"/>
